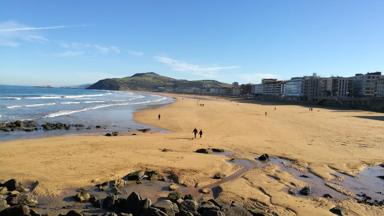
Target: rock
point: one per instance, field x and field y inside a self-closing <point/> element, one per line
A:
<point x="144" y="130"/>
<point x="3" y="190"/>
<point x="174" y="196"/>
<point x="305" y="191"/>
<point x="263" y="157"/>
<point x="55" y="126"/>
<point x="188" y="197"/>
<point x="167" y="207"/>
<point x="166" y="150"/>
<point x="133" y="204"/>
<point x="381" y="177"/>
<point x="337" y="211"/>
<point x="189" y="206"/>
<point x="219" y="176"/>
<point x="152" y="211"/>
<point x="205" y="190"/>
<point x="186" y="213"/>
<point x="328" y="196"/>
<point x="103" y="186"/>
<point x="11" y="184"/>
<point x="3" y="204"/>
<point x="19" y="210"/>
<point x="173" y="187"/>
<point x="135" y="176"/>
<point x="152" y="175"/>
<point x="27" y="199"/>
<point x="95" y="202"/>
<point x="218" y="150"/>
<point x="98" y="127"/>
<point x="73" y="213"/>
<point x="209" y="209"/>
<point x="109" y="202"/>
<point x="202" y="150"/>
<point x="108" y="134"/>
<point x="291" y="191"/>
<point x="304" y="176"/>
<point x="82" y="196"/>
<point x="115" y="133"/>
<point x="257" y="212"/>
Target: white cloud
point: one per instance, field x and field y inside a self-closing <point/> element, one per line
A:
<point x="15" y="27"/>
<point x="12" y="34"/>
<point x="69" y="53"/>
<point x="199" y="70"/>
<point x="90" y="48"/>
<point x="135" y="53"/>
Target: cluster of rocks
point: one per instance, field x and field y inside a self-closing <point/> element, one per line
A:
<point x="173" y="205"/>
<point x="115" y="133"/>
<point x="16" y="199"/>
<point x="26" y="125"/>
<point x="30" y="125"/>
<point x="364" y="198"/>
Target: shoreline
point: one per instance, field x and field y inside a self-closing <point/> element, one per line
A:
<point x="289" y="132"/>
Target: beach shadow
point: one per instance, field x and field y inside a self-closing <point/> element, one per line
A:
<point x="378" y="118"/>
<point x="182" y="138"/>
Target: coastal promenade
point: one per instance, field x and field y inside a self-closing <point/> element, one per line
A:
<point x="323" y="141"/>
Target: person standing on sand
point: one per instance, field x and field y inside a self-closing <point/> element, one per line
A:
<point x="159" y="116"/>
<point x="194" y="132"/>
<point x="201" y="133"/>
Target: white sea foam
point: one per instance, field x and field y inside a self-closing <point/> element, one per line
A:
<point x="70" y="102"/>
<point x="14" y="106"/>
<point x="89" y="102"/>
<point x="11" y="98"/>
<point x="69" y="112"/>
<point x="39" y="105"/>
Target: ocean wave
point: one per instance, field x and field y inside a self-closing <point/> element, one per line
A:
<point x="66" y="96"/>
<point x="70" y="102"/>
<point x="14" y="106"/>
<point x="39" y="105"/>
<point x="11" y="98"/>
<point x="89" y="102"/>
<point x="70" y="112"/>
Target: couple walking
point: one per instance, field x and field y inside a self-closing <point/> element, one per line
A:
<point x="195" y="133"/>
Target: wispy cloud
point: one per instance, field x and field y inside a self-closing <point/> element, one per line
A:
<point x="199" y="70"/>
<point x="69" y="54"/>
<point x="135" y="53"/>
<point x="13" y="34"/>
<point x="89" y="48"/>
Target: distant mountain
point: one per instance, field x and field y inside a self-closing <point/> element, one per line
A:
<point x="151" y="81"/>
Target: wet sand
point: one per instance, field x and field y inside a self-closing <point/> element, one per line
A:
<point x="323" y="141"/>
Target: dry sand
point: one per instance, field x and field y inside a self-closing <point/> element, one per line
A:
<point x="321" y="140"/>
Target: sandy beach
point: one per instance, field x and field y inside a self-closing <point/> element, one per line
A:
<point x="322" y="141"/>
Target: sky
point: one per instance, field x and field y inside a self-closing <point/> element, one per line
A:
<point x="75" y="42"/>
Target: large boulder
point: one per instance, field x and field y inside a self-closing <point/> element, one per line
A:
<point x="109" y="202"/>
<point x="167" y="206"/>
<point x="11" y="184"/>
<point x="189" y="205"/>
<point x="19" y="210"/>
<point x="263" y="157"/>
<point x="135" y="176"/>
<point x="134" y="204"/>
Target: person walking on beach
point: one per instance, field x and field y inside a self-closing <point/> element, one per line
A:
<point x="159" y="116"/>
<point x="194" y="132"/>
<point x="265" y="113"/>
<point x="201" y="133"/>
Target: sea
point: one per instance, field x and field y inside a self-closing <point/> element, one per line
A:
<point x="111" y="110"/>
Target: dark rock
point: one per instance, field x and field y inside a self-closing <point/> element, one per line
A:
<point x="209" y="209"/>
<point x="304" y="176"/>
<point x="263" y="157"/>
<point x="11" y="184"/>
<point x="218" y="150"/>
<point x="174" y="196"/>
<point x="109" y="202"/>
<point x="55" y="126"/>
<point x="167" y="207"/>
<point x="115" y="133"/>
<point x="135" y="176"/>
<point x="152" y="211"/>
<point x="189" y="205"/>
<point x="108" y="134"/>
<point x="380" y="177"/>
<point x="152" y="175"/>
<point x="133" y="204"/>
<point x="98" y="126"/>
<point x="305" y="191"/>
<point x="328" y="196"/>
<point x="219" y="176"/>
<point x="144" y="130"/>
<point x="186" y="213"/>
<point x="95" y="202"/>
<point x="202" y="150"/>
<point x="188" y="197"/>
<point x="337" y="211"/>
<point x="73" y="213"/>
<point x="19" y="210"/>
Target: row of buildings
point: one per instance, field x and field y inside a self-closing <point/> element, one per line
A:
<point x="315" y="87"/>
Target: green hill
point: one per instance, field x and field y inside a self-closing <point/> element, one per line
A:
<point x="151" y="81"/>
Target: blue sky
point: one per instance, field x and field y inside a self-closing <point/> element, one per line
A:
<point x="73" y="42"/>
